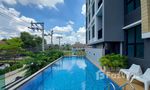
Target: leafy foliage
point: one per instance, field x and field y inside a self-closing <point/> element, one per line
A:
<point x="11" y="68"/>
<point x="11" y="48"/>
<point x="39" y="60"/>
<point x="24" y="46"/>
<point x="11" y="44"/>
<point x="114" y="61"/>
<point x="31" y="42"/>
<point x="27" y="40"/>
<point x="34" y="61"/>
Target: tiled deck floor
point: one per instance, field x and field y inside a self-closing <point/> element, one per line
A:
<point x="120" y="81"/>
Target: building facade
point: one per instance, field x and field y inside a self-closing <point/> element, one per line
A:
<point x="120" y="26"/>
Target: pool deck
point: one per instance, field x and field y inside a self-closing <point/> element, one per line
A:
<point x="120" y="80"/>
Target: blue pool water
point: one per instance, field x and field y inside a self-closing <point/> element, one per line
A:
<point x="69" y="73"/>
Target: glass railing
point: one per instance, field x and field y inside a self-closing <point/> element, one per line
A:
<point x="2" y="81"/>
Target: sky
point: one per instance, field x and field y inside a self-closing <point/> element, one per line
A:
<point x="65" y="17"/>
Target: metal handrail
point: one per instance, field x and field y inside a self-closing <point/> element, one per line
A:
<point x="127" y="83"/>
<point x="110" y="84"/>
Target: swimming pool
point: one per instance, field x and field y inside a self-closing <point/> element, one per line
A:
<point x="69" y="73"/>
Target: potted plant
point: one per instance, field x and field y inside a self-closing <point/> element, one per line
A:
<point x="113" y="62"/>
<point x="105" y="63"/>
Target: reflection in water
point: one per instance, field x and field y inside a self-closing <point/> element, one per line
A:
<point x="81" y="64"/>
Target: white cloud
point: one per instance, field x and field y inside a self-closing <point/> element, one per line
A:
<point x="11" y="2"/>
<point x="39" y="3"/>
<point x="83" y="10"/>
<point x="13" y="12"/>
<point x="65" y="29"/>
<point x="14" y="23"/>
<point x="71" y="22"/>
<point x="81" y="34"/>
<point x="69" y="35"/>
<point x="81" y="31"/>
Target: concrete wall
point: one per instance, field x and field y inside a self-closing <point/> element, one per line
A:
<point x="94" y="53"/>
<point x="113" y="20"/>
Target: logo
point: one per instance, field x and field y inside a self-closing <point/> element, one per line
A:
<point x="100" y="75"/>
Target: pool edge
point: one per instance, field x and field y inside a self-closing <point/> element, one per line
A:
<point x="33" y="75"/>
<point x="100" y="68"/>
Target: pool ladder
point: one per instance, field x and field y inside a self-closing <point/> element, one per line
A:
<point x="109" y="85"/>
<point x="122" y="87"/>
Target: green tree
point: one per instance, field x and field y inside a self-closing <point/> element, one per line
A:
<point x="11" y="48"/>
<point x="31" y="42"/>
<point x="14" y="43"/>
<point x="27" y="39"/>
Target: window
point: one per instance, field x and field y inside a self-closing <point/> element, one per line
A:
<point x="131" y="5"/>
<point x="93" y="31"/>
<point x="99" y="3"/>
<point x="100" y="34"/>
<point x="131" y="36"/>
<point x="130" y="51"/>
<point x="93" y="9"/>
<point x="86" y="22"/>
<point x="140" y="50"/>
<point x="138" y="35"/>
<point x="134" y="42"/>
<point x="89" y="2"/>
<point x="89" y="35"/>
<point x="137" y="3"/>
<point x="86" y="36"/>
<point x="89" y="18"/>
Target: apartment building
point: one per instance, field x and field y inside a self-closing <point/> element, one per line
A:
<point x="119" y="26"/>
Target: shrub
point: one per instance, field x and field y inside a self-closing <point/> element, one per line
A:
<point x="113" y="61"/>
<point x="41" y="59"/>
<point x="11" y="68"/>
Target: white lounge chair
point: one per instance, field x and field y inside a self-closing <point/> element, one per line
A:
<point x="145" y="78"/>
<point x="133" y="70"/>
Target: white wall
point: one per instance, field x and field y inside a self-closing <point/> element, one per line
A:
<point x="94" y="53"/>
